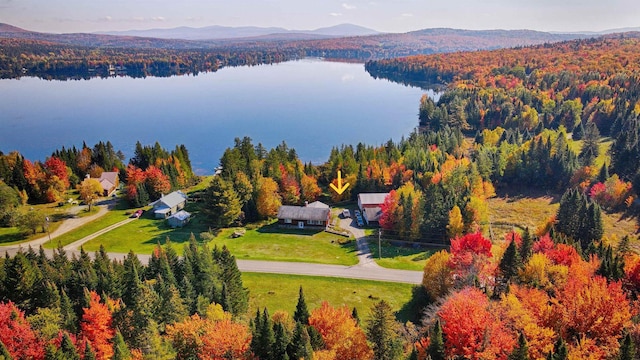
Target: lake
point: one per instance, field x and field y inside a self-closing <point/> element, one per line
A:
<point x="312" y="105"/>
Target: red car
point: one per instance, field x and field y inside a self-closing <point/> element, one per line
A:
<point x="137" y="214"/>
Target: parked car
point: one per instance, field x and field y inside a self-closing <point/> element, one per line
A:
<point x="137" y="214"/>
<point x="346" y="213"/>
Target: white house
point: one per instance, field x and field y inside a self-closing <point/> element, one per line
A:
<point x="169" y="204"/>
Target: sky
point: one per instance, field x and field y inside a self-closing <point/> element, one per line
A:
<point x="64" y="16"/>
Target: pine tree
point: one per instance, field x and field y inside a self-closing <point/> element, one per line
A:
<point x="221" y="203"/>
<point x="315" y="338"/>
<point x="521" y="351"/>
<point x="120" y="349"/>
<point x="526" y="247"/>
<point x="302" y="313"/>
<point x="300" y="346"/>
<point x="590" y="146"/>
<point x="231" y="277"/>
<point x="67" y="349"/>
<point x="560" y="351"/>
<point x="436" y="345"/>
<point x="627" y="348"/>
<point x="69" y="317"/>
<point x="89" y="354"/>
<point x="510" y="262"/>
<point x="604" y="173"/>
<point x="281" y="342"/>
<point x="382" y="331"/>
<point x="266" y="338"/>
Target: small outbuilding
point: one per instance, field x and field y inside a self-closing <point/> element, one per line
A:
<point x="179" y="219"/>
<point x="301" y="217"/>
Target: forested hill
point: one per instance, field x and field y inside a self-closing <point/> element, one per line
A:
<point x="606" y="55"/>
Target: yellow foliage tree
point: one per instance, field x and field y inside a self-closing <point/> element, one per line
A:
<point x="437" y="279"/>
<point x="456" y="225"/>
<point x="90" y="191"/>
<point x="268" y="201"/>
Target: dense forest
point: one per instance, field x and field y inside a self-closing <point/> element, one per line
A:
<point x="507" y="119"/>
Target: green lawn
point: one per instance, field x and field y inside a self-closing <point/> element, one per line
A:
<point x="264" y="243"/>
<point x="143" y="234"/>
<point x="272" y="243"/>
<point x="403" y="258"/>
<point x="280" y="292"/>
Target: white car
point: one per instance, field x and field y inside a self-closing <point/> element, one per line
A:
<point x="346" y="213"/>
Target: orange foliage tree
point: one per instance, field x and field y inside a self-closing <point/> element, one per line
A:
<point x="470" y="329"/>
<point x="340" y="332"/>
<point x="96" y="327"/>
<point x="225" y="339"/>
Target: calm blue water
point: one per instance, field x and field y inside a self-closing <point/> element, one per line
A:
<point x="311" y="104"/>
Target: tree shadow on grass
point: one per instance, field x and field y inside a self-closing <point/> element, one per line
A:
<point x="413" y="309"/>
<point x="13" y="237"/>
<point x="276" y="229"/>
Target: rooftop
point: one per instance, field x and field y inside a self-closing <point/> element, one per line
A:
<point x="372" y="198"/>
<point x="303" y="213"/>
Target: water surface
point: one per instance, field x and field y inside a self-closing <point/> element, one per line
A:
<point x="311" y="104"/>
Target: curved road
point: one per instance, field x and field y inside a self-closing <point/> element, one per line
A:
<point x="366" y="269"/>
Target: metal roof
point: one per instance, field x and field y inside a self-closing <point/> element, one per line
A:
<point x="171" y="200"/>
<point x="181" y="215"/>
<point x="303" y="213"/>
<point x="318" y="204"/>
<point x="372" y="198"/>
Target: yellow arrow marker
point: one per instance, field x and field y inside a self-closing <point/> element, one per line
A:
<point x="339" y="189"/>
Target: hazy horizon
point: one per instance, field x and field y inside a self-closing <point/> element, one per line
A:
<point x="391" y="16"/>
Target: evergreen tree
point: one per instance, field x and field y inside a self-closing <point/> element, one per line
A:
<point x="526" y="247"/>
<point x="521" y="351"/>
<point x="604" y="173"/>
<point x="266" y="338"/>
<point x="67" y="349"/>
<point x="237" y="294"/>
<point x="627" y="348"/>
<point x="382" y="331"/>
<point x="221" y="203"/>
<point x="120" y="349"/>
<point x="300" y="346"/>
<point x="590" y="146"/>
<point x="560" y="351"/>
<point x="281" y="342"/>
<point x="315" y="338"/>
<point x="69" y="318"/>
<point x="89" y="354"/>
<point x="436" y="345"/>
<point x="510" y="262"/>
<point x="301" y="314"/>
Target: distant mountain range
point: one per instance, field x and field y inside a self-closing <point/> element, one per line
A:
<point x="603" y="32"/>
<point x="344" y="41"/>
<point x="225" y="32"/>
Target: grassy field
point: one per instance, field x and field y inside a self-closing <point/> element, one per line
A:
<point x="397" y="257"/>
<point x="56" y="214"/>
<point x="537" y="207"/>
<point x="264" y="243"/>
<point x="111" y="217"/>
<point x="280" y="292"/>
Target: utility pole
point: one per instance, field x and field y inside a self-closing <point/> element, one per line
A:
<point x="379" y="244"/>
<point x="48" y="232"/>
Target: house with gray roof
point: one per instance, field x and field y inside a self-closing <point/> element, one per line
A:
<point x="169" y="204"/>
<point x="301" y="217"/>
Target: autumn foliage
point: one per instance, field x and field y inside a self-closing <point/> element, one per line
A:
<point x="340" y="332"/>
